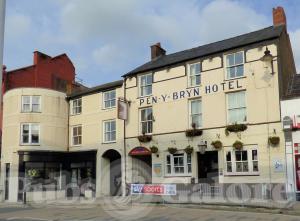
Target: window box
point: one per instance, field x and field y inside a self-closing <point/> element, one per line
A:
<point x="193" y="132"/>
<point x="274" y="141"/>
<point x="217" y="144"/>
<point x="144" y="138"/>
<point x="235" y="128"/>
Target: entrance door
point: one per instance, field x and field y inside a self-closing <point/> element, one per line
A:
<point x="115" y="175"/>
<point x="297" y="165"/>
<point x="142" y="169"/>
<point x="7" y="175"/>
<point x="208" y="167"/>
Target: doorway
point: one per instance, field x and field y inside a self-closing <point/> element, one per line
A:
<point x="142" y="169"/>
<point x="208" y="167"/>
<point x="7" y="175"/>
<point x="112" y="173"/>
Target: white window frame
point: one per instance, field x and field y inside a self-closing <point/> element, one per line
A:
<point x="245" y="107"/>
<point x="104" y="132"/>
<point x="227" y="76"/>
<point x="185" y="165"/>
<point x="146" y="85"/>
<point x="74" y="108"/>
<point x="250" y="160"/>
<point x="30" y="134"/>
<point x="147" y="121"/>
<point x="190" y="113"/>
<point x="31" y="104"/>
<point x="73" y="127"/>
<point x="195" y="75"/>
<point x="109" y="100"/>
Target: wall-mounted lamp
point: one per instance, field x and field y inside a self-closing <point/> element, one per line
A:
<point x="267" y="59"/>
<point x="202" y="146"/>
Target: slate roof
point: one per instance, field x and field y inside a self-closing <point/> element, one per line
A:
<point x="294" y="89"/>
<point x="92" y="90"/>
<point x="268" y="33"/>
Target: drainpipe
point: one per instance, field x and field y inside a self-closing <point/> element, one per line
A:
<point x="2" y="26"/>
<point x="124" y="126"/>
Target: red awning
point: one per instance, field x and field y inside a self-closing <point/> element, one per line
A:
<point x="137" y="151"/>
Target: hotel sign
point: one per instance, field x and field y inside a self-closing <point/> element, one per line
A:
<point x="192" y="92"/>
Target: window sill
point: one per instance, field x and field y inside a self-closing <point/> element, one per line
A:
<point x="236" y="78"/>
<point x="177" y="175"/>
<point x="31" y="112"/>
<point x="30" y="144"/>
<point x="109" y="142"/>
<point x="75" y="114"/>
<point x="242" y="174"/>
<point x="109" y="108"/>
<point x="150" y="95"/>
<point x="79" y="145"/>
<point x="190" y="87"/>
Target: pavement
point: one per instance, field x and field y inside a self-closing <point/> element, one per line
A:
<point x="120" y="210"/>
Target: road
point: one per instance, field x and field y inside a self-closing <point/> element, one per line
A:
<point x="136" y="212"/>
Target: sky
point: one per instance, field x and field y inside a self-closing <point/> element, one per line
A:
<point x="106" y="39"/>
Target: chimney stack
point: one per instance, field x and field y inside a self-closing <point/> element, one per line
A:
<point x="157" y="51"/>
<point x="279" y="16"/>
<point x="38" y="56"/>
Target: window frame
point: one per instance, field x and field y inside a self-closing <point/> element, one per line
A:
<point x="250" y="161"/>
<point x="147" y="85"/>
<point x="228" y="110"/>
<point x="73" y="127"/>
<point x="31" y="104"/>
<point x="190" y="112"/>
<point x="227" y="77"/>
<point x="190" y="76"/>
<point x="30" y="134"/>
<point x="74" y="107"/>
<point x="109" y="100"/>
<point x="104" y="132"/>
<point x="185" y="165"/>
<point x="141" y="122"/>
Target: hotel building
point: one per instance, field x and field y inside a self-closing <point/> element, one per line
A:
<point x="210" y="115"/>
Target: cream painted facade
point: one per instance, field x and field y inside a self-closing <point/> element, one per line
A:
<point x="172" y="116"/>
<point x="52" y="119"/>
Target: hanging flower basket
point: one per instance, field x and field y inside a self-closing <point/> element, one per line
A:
<point x="217" y="144"/>
<point x="145" y="138"/>
<point x="238" y="145"/>
<point x="275" y="140"/>
<point x="172" y="150"/>
<point x="193" y="132"/>
<point x="189" y="149"/>
<point x="154" y="149"/>
<point x="235" y="128"/>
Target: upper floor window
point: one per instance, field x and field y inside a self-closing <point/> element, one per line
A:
<point x="235" y="65"/>
<point x="242" y="161"/>
<point x="196" y="113"/>
<point x="178" y="164"/>
<point x="194" y="74"/>
<point x="109" y="131"/>
<point x="77" y="135"/>
<point x="146" y="120"/>
<point x="109" y="99"/>
<point x="30" y="133"/>
<point x="31" y="103"/>
<point x="236" y="104"/>
<point x="76" y="106"/>
<point x="145" y="85"/>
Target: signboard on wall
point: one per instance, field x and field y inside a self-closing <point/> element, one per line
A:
<point x="154" y="189"/>
<point x="278" y="165"/>
<point x="157" y="169"/>
<point x="122" y="110"/>
<point x="139" y="151"/>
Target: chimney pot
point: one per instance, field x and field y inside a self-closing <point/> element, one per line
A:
<point x="157" y="51"/>
<point x="279" y="17"/>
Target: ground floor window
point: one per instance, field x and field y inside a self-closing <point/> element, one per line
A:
<point x="241" y="161"/>
<point x="178" y="164"/>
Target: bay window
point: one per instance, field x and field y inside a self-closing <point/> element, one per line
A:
<point x="146" y="120"/>
<point x="235" y="65"/>
<point x="30" y="134"/>
<point x="178" y="164"/>
<point x="242" y="162"/>
<point x="31" y="103"/>
<point x="194" y="74"/>
<point x="236" y="107"/>
<point x="145" y="85"/>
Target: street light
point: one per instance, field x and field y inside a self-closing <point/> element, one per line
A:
<point x="267" y="59"/>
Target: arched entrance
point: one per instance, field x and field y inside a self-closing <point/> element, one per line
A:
<point x="111" y="173"/>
